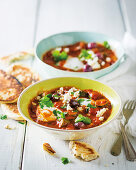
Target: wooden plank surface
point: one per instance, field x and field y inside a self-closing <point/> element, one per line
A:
<point x="128" y="8"/>
<point x="16" y="33"/>
<point x="59" y="16"/>
<point x="29" y="21"/>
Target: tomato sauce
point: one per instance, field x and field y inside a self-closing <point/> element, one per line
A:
<point x="70" y="108"/>
<point x="104" y="55"/>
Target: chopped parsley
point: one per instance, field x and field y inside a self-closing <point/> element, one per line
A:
<point x="65" y="160"/>
<point x="63" y="107"/>
<point x="72" y="93"/>
<point x="56" y="96"/>
<point x="85" y="55"/>
<point x="106" y="44"/>
<point x="59" y="114"/>
<point x="2" y="117"/>
<point x="91" y="106"/>
<point x="58" y="56"/>
<point x="81" y="118"/>
<point x="45" y="101"/>
<point x="21" y="123"/>
<point x="81" y="100"/>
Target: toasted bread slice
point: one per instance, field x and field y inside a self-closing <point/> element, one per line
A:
<point x="7" y="60"/>
<point x="10" y="88"/>
<point x="83" y="150"/>
<point x="11" y="111"/>
<point x="24" y="75"/>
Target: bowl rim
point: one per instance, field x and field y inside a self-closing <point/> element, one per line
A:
<point x="66" y="130"/>
<point x="78" y="73"/>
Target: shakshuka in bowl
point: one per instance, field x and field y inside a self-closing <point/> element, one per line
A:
<point x="69" y="107"/>
<point x="82" y="54"/>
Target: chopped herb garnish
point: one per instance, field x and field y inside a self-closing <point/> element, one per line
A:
<point x="81" y="118"/>
<point x="81" y="100"/>
<point x="21" y="122"/>
<point x="72" y="93"/>
<point x="63" y="107"/>
<point x="59" y="114"/>
<point x="45" y="101"/>
<point x="58" y="56"/>
<point x="106" y="44"/>
<point x="2" y="117"/>
<point x="85" y="55"/>
<point x="91" y="106"/>
<point x="56" y="96"/>
<point x="65" y="160"/>
<point x="49" y="95"/>
<point x="75" y="111"/>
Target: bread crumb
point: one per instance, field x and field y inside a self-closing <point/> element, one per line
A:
<point x="48" y="148"/>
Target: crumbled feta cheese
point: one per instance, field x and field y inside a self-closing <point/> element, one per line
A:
<point x="101" y="112"/>
<point x="101" y="118"/>
<point x="68" y="107"/>
<point x="66" y="50"/>
<point x="92" y="53"/>
<point x="58" y="49"/>
<point x="108" y="59"/>
<point x="94" y="63"/>
<point x="60" y="91"/>
<point x="102" y="63"/>
<point x="76" y="94"/>
<point x="66" y="98"/>
<point x="85" y="102"/>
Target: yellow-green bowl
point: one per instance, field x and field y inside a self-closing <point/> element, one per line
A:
<point x="81" y="83"/>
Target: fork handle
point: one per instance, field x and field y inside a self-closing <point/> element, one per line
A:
<point x="129" y="150"/>
<point x="116" y="148"/>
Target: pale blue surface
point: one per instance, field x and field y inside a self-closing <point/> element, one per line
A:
<point x="70" y="38"/>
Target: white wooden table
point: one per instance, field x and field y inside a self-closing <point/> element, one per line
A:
<point x="25" y="22"/>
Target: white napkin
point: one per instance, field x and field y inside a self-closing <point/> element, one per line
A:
<point x="123" y="80"/>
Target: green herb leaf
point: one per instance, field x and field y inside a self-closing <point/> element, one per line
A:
<point x="59" y="114"/>
<point x="2" y="117"/>
<point x="65" y="160"/>
<point x="58" y="56"/>
<point x="56" y="96"/>
<point x="81" y="118"/>
<point x="85" y="55"/>
<point x="63" y="107"/>
<point x="49" y="95"/>
<point x="81" y="100"/>
<point x="72" y="93"/>
<point x="45" y="101"/>
<point x="91" y="106"/>
<point x="106" y="44"/>
<point x="21" y="122"/>
<point x="55" y="112"/>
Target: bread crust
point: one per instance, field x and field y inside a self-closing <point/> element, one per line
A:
<point x="10" y="88"/>
<point x="83" y="150"/>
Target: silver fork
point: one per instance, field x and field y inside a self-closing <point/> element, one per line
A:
<point x="128" y="109"/>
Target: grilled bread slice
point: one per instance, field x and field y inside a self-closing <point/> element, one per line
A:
<point x="7" y="60"/>
<point x="11" y="111"/>
<point x="10" y="88"/>
<point x="24" y="75"/>
<point x="83" y="150"/>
